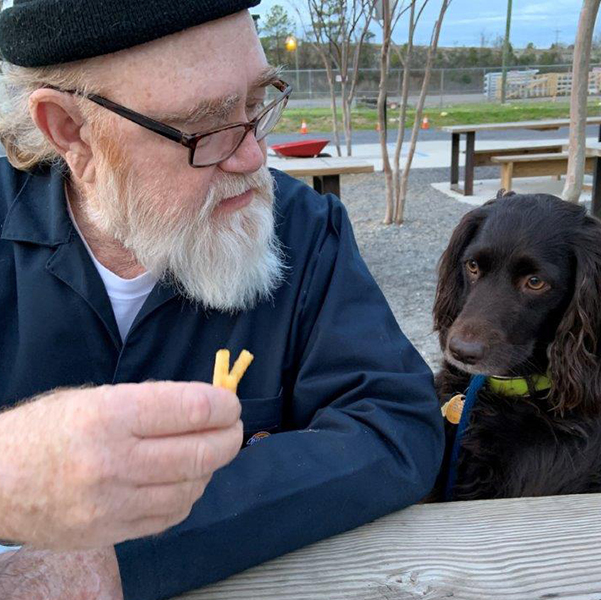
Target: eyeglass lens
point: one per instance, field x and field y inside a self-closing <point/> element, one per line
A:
<point x="216" y="147"/>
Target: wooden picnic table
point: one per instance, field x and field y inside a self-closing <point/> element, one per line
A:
<point x="470" y="131"/>
<point x="595" y="150"/>
<point x="521" y="549"/>
<point x="326" y="171"/>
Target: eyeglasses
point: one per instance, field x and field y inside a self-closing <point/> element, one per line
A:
<point x="211" y="147"/>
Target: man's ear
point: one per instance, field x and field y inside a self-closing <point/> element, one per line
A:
<point x="58" y="117"/>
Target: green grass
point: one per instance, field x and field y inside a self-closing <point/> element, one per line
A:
<point x="320" y="119"/>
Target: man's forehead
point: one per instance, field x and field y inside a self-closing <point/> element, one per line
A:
<point x="219" y="106"/>
<point x="204" y="67"/>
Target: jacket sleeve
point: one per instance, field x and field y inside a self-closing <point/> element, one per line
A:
<point x="368" y="440"/>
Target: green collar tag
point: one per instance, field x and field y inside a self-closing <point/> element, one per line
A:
<point x="518" y="386"/>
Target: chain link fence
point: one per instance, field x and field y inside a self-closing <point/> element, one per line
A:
<point x="447" y="86"/>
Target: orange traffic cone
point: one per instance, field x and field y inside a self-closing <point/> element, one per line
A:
<point x="425" y="123"/>
<point x="303" y="128"/>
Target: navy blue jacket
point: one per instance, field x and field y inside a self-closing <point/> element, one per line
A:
<point x="358" y="431"/>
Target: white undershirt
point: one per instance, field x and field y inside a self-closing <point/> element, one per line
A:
<point x="126" y="295"/>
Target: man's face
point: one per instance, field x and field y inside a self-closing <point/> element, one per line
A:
<point x="193" y="226"/>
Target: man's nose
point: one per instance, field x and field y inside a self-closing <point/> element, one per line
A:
<point x="248" y="158"/>
<point x="468" y="352"/>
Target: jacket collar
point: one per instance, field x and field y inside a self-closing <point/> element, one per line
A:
<point x="38" y="213"/>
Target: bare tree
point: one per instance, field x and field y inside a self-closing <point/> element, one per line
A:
<point x="506" y="52"/>
<point x="389" y="13"/>
<point x="339" y="29"/>
<point x="578" y="100"/>
<point x="397" y="178"/>
<point x="321" y="43"/>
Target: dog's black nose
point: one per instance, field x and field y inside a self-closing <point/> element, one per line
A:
<point x="466" y="352"/>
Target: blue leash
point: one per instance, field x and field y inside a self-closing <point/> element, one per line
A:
<point x="476" y="384"/>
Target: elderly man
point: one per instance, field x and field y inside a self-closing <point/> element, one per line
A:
<point x="142" y="232"/>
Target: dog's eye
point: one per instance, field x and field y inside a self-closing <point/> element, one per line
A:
<point x="472" y="267"/>
<point x="535" y="283"/>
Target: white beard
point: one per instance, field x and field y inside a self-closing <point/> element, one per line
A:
<point x="227" y="262"/>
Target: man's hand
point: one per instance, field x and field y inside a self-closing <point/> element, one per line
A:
<point x="93" y="467"/>
<point x="46" y="575"/>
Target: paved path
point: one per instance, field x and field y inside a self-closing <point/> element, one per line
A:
<point x="372" y="136"/>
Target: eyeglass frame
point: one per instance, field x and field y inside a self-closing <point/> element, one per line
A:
<point x="188" y="140"/>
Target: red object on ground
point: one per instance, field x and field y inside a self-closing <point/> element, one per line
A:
<point x="304" y="149"/>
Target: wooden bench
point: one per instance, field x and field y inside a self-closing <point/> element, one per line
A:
<point x="524" y="548"/>
<point x="325" y="172"/>
<point x="531" y="165"/>
<point x="470" y="132"/>
<point x="483" y="158"/>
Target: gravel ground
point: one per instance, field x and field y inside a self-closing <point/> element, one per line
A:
<point x="403" y="259"/>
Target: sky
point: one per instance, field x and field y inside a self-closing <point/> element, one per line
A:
<point x="541" y="22"/>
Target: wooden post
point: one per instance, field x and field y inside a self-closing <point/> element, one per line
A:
<point x="507" y="176"/>
<point x="327" y="184"/>
<point x="455" y="144"/>
<point x="596" y="194"/>
<point x="470" y="143"/>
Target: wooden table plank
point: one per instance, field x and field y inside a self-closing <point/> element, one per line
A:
<point x="592" y="148"/>
<point x="525" y="158"/>
<point x="308" y="167"/>
<point x="519" y="549"/>
<point x="535" y="124"/>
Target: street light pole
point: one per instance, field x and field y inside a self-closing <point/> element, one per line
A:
<point x="292" y="46"/>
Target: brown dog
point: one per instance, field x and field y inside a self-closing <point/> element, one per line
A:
<point x="519" y="296"/>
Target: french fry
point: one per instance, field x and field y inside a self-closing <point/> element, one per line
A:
<point x="222" y="367"/>
<point x="241" y="364"/>
<point x="230" y="383"/>
<point x="223" y="377"/>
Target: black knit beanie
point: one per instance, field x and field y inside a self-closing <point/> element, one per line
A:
<point x="36" y="33"/>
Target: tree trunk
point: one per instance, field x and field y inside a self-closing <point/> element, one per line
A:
<point x="578" y="100"/>
<point x="403" y="117"/>
<point x="384" y="63"/>
<point x="346" y="117"/>
<point x="419" y="112"/>
<point x="333" y="106"/>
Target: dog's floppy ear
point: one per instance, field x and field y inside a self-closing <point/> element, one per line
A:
<point x="574" y="357"/>
<point x="447" y="304"/>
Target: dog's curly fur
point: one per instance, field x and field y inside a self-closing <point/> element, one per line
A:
<point x="550" y="442"/>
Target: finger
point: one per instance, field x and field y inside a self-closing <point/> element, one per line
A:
<point x="182" y="458"/>
<point x="173" y="501"/>
<point x="176" y="499"/>
<point x="151" y="526"/>
<point x="163" y="507"/>
<point x="174" y="408"/>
